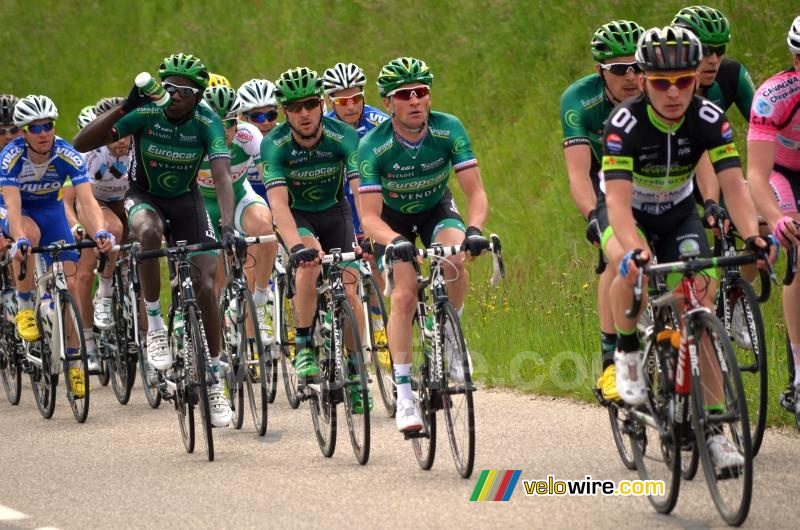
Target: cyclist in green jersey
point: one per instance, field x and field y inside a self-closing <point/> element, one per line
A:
<point x="585" y="106"/>
<point x="252" y="216"/>
<point x="169" y="144"/>
<point x="8" y="131"/>
<point x="307" y="161"/>
<point x="405" y="164"/>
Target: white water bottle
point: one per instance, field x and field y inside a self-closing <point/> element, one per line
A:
<point x="152" y="88"/>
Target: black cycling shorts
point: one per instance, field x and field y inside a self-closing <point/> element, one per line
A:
<point x="333" y="228"/>
<point x="185" y="217"/>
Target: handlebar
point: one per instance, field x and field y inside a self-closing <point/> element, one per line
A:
<point x="52" y="249"/>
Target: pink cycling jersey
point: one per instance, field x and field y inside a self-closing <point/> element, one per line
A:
<point x="775" y="117"/>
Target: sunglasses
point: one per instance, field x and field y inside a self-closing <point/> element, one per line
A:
<point x="297" y="106"/>
<point x="42" y="127"/>
<point x="621" y="68"/>
<point x="184" y="91"/>
<point x="229" y="123"/>
<point x="261" y="117"/>
<point x="11" y="130"/>
<point x="348" y="100"/>
<point x="662" y="83"/>
<point x="718" y="50"/>
<point x="405" y="94"/>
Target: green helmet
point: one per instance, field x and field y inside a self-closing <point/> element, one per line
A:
<point x="710" y="26"/>
<point x="297" y="83"/>
<point x="618" y="38"/>
<point x="401" y="71"/>
<point x="184" y="65"/>
<point x="222" y="100"/>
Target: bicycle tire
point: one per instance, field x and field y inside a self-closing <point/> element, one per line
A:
<point x="424" y="447"/>
<point x="11" y="373"/>
<point x="151" y="392"/>
<point x="689" y="465"/>
<point x="353" y="380"/>
<point x="234" y="379"/>
<point x="323" y="408"/>
<point x="183" y="408"/>
<point x="69" y="311"/>
<point x="287" y="349"/>
<point x="273" y="373"/>
<point x="199" y="345"/>
<point x="619" y="423"/>
<point x="104" y="375"/>
<point x="752" y="361"/>
<point x="121" y="366"/>
<point x="43" y="380"/>
<point x="252" y="354"/>
<point x="735" y="511"/>
<point x="384" y="373"/>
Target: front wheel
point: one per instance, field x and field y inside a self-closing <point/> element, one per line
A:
<point x="285" y="326"/>
<point x="357" y="401"/>
<point x="76" y="362"/>
<point x="10" y="361"/>
<point x="424" y="443"/>
<point x="197" y="357"/>
<point x="229" y="318"/>
<point x="119" y="362"/>
<point x="44" y="378"/>
<point x="377" y="321"/>
<point x="256" y="367"/>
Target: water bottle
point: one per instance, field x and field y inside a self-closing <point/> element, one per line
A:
<point x="152" y="88"/>
<point x="10" y="304"/>
<point x="427" y="332"/>
<point x="231" y="317"/>
<point x="48" y="311"/>
<point x="178" y="329"/>
<point x="327" y="329"/>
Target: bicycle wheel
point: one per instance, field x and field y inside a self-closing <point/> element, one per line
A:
<point x="44" y="379"/>
<point x="690" y="459"/>
<point x="10" y="361"/>
<point x="323" y="407"/>
<point x="719" y="407"/>
<point x="286" y="329"/>
<point x="150" y="386"/>
<point x="104" y="375"/>
<point x="381" y="357"/>
<point x="71" y="333"/>
<point x="459" y="412"/>
<point x="620" y="427"/>
<point x="230" y="348"/>
<point x="654" y="448"/>
<point x="424" y="443"/>
<point x="256" y="367"/>
<point x="114" y="343"/>
<point x="353" y="378"/>
<point x="197" y="351"/>
<point x="750" y="349"/>
<point x="180" y="378"/>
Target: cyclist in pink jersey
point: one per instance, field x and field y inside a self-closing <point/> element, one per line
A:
<point x="773" y="171"/>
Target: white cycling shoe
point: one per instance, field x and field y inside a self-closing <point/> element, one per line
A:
<point x="741" y="335"/>
<point x="723" y="453"/>
<point x="408" y="417"/>
<point x="158" y="352"/>
<point x="103" y="313"/>
<point x="218" y="406"/>
<point x="630" y="377"/>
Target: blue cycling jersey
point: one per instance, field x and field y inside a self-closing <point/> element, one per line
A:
<point x="40" y="185"/>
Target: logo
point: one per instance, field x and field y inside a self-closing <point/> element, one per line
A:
<point x="572" y="118"/>
<point x="763" y="107"/>
<point x="494" y="485"/>
<point x="689" y="247"/>
<point x="727" y="132"/>
<point x="684" y="151"/>
<point x="613" y="143"/>
<point x="314" y="194"/>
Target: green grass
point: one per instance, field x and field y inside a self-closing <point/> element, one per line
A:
<point x="499" y="65"/>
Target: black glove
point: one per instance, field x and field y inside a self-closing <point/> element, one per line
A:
<point x="301" y="254"/>
<point x="403" y="249"/>
<point x="751" y="245"/>
<point x="366" y="245"/>
<point x="474" y="242"/>
<point x="712" y="209"/>
<point x="134" y="100"/>
<point x="231" y="242"/>
<point x="593" y="234"/>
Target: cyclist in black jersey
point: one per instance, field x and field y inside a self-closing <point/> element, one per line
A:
<point x="652" y="145"/>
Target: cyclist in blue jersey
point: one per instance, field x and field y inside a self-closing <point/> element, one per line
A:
<point x="8" y="131"/>
<point x="33" y="169"/>
<point x="260" y="109"/>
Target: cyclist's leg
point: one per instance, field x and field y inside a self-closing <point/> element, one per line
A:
<point x="305" y="303"/>
<point x="26" y="323"/>
<point x="444" y="225"/>
<point x="254" y="218"/>
<point x="103" y="316"/>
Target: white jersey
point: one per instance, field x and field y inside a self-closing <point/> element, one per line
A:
<point x="245" y="151"/>
<point x="108" y="174"/>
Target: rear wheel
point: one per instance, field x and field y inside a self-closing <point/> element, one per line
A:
<point x="381" y="357"/>
<point x="347" y="345"/>
<point x="620" y="428"/>
<point x="286" y="329"/>
<point x="197" y="350"/>
<point x="424" y="444"/>
<point x="256" y="366"/>
<point x="10" y="360"/>
<point x="183" y="408"/>
<point x="229" y="319"/>
<point x="323" y="407"/>
<point x="75" y="358"/>
<point x="114" y="345"/>
<point x="44" y="379"/>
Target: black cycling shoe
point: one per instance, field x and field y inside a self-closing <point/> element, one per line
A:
<point x="787" y="399"/>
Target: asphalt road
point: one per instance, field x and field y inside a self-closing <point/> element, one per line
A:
<point x="126" y="468"/>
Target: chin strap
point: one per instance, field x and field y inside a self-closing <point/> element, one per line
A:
<point x="35" y="151"/>
<point x="412" y="130"/>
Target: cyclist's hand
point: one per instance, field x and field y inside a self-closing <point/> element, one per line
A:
<point x="403" y="249"/>
<point x="134" y="100"/>
<point x="474" y="242"/>
<point x="77" y="231"/>
<point x="231" y="242"/>
<point x="365" y="244"/>
<point x="20" y="249"/>
<point x="712" y="210"/>
<point x="760" y="245"/>
<point x="593" y="234"/>
<point x="4" y="244"/>
<point x="630" y="263"/>
<point x="105" y="240"/>
<point x="785" y="232"/>
<point x="303" y="257"/>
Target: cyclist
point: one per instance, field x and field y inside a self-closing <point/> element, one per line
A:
<point x="8" y="131"/>
<point x="218" y="80"/>
<point x="649" y="198"/>
<point x="307" y="160"/>
<point x="405" y="165"/>
<point x="773" y="171"/>
<point x="252" y="215"/>
<point x="85" y="116"/>
<point x="168" y="146"/>
<point x="33" y="169"/>
<point x="260" y="109"/>
<point x="585" y="106"/>
<point x="107" y="168"/>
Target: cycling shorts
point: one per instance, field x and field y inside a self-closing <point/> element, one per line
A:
<point x="53" y="227"/>
<point x="785" y="184"/>
<point x="243" y="198"/>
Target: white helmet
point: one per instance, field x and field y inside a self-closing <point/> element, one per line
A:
<point x="32" y="108"/>
<point x="793" y="39"/>
<point x="256" y="93"/>
<point x="342" y="76"/>
<point x="86" y="116"/>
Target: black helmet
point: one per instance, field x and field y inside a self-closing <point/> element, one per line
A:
<point x="668" y="48"/>
<point x="106" y="104"/>
<point x="7" y="103"/>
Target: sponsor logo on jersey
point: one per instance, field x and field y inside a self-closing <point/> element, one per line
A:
<point x="187" y="137"/>
<point x="727" y="132"/>
<point x="683" y="151"/>
<point x="614" y="143"/>
<point x="689" y="246"/>
<point x="780" y="91"/>
<point x="168" y="154"/>
<point x="383" y="148"/>
<point x="441" y="133"/>
<point x="333" y="135"/>
<point x="572" y="118"/>
<point x="70" y="156"/>
<point x="788" y="143"/>
<point x="427" y="166"/>
<point x="244" y="136"/>
<point x="763" y="107"/>
<point x="10" y="158"/>
<point x="40" y="188"/>
<point x="591" y="102"/>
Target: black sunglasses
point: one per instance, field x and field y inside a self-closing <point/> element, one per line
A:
<point x="718" y="50"/>
<point x="11" y="130"/>
<point x="297" y="106"/>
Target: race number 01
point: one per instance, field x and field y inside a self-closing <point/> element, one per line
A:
<point x="709" y="112"/>
<point x="624" y="120"/>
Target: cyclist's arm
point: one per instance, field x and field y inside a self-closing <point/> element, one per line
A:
<point x="737" y="199"/>
<point x="620" y="213"/>
<point x="98" y="132"/>
<point x="223" y="185"/>
<point x="579" y="163"/>
<point x="90" y="210"/>
<point x="477" y="202"/>
<point x="13" y="202"/>
<point x="760" y="158"/>
<point x="279" y="203"/>
<point x="68" y="197"/>
<point x="745" y="91"/>
<point x="354" y="183"/>
<point x="374" y="226"/>
<point x="707" y="181"/>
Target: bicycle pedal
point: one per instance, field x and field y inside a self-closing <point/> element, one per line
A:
<point x="411" y="435"/>
<point x="729" y="473"/>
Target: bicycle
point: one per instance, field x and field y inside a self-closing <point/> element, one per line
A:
<point x="283" y="324"/>
<point x="11" y="350"/>
<point x="60" y="335"/>
<point x="241" y="342"/>
<point x="343" y="376"/>
<point x="438" y="331"/>
<point x="792" y="394"/>
<point x="375" y="340"/>
<point x="681" y="406"/>
<point x="186" y="383"/>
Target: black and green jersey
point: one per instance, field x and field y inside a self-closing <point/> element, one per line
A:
<point x="413" y="178"/>
<point x="315" y="177"/>
<point x="732" y="85"/>
<point x="167" y="155"/>
<point x="660" y="159"/>
<point x="584" y="110"/>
